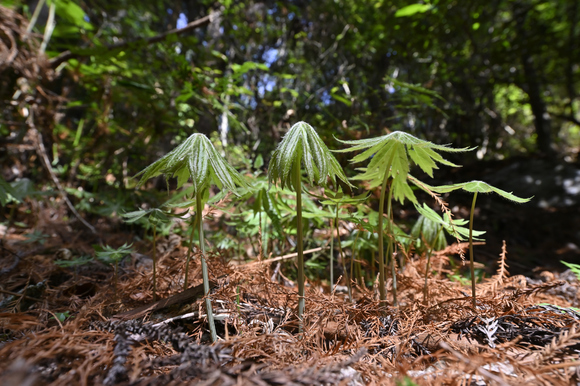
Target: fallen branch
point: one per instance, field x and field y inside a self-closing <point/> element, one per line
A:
<point x="182" y="297"/>
<point x="274" y="259"/>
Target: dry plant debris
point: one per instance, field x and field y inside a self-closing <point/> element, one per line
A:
<point x="523" y="331"/>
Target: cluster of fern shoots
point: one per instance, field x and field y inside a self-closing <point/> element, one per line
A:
<point x="389" y="157"/>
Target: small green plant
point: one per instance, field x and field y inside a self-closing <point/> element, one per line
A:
<point x="74" y="263"/>
<point x="301" y="146"/>
<point x="476" y="187"/>
<point x="7" y="193"/>
<point x="112" y="256"/>
<point x="428" y="230"/>
<point x="61" y="316"/>
<point x="575" y="268"/>
<point x="154" y="217"/>
<point x="197" y="159"/>
<point x="36" y="236"/>
<point x="337" y="200"/>
<point x="389" y="164"/>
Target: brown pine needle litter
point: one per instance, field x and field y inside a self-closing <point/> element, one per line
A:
<point x="523" y="331"/>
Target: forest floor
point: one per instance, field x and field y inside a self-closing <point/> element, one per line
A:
<point x="58" y="327"/>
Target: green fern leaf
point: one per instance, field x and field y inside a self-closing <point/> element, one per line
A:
<point x="7" y="193"/>
<point x="301" y="146"/>
<point x="391" y="153"/>
<point x="196" y="159"/>
<point x="453" y="227"/>
<point x="479" y="187"/>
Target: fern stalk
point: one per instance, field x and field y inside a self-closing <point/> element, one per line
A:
<point x="298" y="187"/>
<point x="382" y="294"/>
<point x="154" y="263"/>
<point x="341" y="255"/>
<point x="471" y="267"/>
<point x="391" y="249"/>
<point x="429" y="253"/>
<point x="332" y="229"/>
<point x="204" y="273"/>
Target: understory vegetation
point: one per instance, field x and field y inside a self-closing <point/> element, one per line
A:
<point x="289" y="193"/>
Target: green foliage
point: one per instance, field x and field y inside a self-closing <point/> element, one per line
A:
<point x="196" y="159"/>
<point x="110" y="255"/>
<point x="389" y="162"/>
<point x="454" y="227"/>
<point x="36" y="236"/>
<point x="391" y="153"/>
<point x="476" y="187"/>
<point x="61" y="316"/>
<point x="76" y="262"/>
<point x="154" y="216"/>
<point x="338" y="199"/>
<point x="427" y="235"/>
<point x="575" y="268"/>
<point x="302" y="146"/>
<point x="480" y="187"/>
<point x="113" y="256"/>
<point x="7" y="193"/>
<point x="412" y="9"/>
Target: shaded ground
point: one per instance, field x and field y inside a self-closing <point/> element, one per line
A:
<point x="57" y="329"/>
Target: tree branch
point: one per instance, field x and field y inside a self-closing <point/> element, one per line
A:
<point x="568" y="118"/>
<point x="67" y="55"/>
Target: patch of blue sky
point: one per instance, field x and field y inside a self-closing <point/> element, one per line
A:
<point x="182" y="21"/>
<point x="270" y="56"/>
<point x="266" y="85"/>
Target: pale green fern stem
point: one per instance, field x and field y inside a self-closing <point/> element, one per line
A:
<point x="204" y="273"/>
<point x="154" y="263"/>
<point x="429" y="253"/>
<point x="391" y="249"/>
<point x="341" y="256"/>
<point x="357" y="268"/>
<point x="382" y="294"/>
<point x="332" y="253"/>
<point x="299" y="246"/>
<point x="471" y="250"/>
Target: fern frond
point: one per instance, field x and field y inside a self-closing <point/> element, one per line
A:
<point x="196" y="159"/>
<point x="302" y="146"/>
<point x="393" y="154"/>
<point x="479" y="187"/>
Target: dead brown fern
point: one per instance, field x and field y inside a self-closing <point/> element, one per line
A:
<point x="490" y="287"/>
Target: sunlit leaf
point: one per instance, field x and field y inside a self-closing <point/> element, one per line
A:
<point x="479" y="187"/>
<point x="390" y="153"/>
<point x="302" y="146"/>
<point x="453" y="227"/>
<point x="196" y="159"/>
<point x="412" y="9"/>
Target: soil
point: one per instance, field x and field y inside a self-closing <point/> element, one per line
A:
<point x="63" y="326"/>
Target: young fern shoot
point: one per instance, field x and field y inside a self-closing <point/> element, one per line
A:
<point x="389" y="163"/>
<point x="476" y="187"/>
<point x="337" y="200"/>
<point x="301" y="146"/>
<point x="197" y="159"/>
<point x="434" y="236"/>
